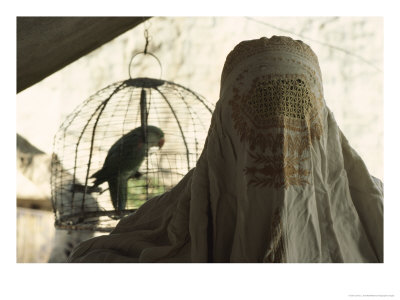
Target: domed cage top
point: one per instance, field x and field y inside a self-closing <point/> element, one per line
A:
<point x="86" y="137"/>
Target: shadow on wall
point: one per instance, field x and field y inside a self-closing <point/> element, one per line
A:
<point x="33" y="176"/>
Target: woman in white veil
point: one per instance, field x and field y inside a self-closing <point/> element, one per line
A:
<point x="277" y="180"/>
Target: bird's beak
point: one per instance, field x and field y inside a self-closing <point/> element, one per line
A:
<point x="161" y="143"/>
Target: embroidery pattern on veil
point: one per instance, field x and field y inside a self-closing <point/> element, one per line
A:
<point x="247" y="49"/>
<point x="279" y="118"/>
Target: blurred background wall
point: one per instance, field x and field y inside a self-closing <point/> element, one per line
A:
<point x="192" y="51"/>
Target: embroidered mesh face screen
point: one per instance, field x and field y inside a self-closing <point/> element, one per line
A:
<point x="276" y="182"/>
<point x="277" y="113"/>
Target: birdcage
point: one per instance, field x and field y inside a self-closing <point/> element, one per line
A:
<point x="85" y="140"/>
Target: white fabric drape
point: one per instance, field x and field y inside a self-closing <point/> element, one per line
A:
<point x="277" y="180"/>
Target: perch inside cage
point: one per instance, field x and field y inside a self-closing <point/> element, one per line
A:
<point x="113" y="139"/>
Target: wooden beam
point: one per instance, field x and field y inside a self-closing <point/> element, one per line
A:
<point x="47" y="44"/>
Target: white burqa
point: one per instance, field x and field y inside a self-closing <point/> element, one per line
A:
<point x="277" y="180"/>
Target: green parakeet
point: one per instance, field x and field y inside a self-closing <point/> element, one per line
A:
<point x="123" y="161"/>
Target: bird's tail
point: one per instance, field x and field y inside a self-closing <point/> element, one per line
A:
<point x="119" y="192"/>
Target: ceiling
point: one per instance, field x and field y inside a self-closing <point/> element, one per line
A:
<point x="47" y="44"/>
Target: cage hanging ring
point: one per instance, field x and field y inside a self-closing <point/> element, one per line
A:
<point x="144" y="53"/>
